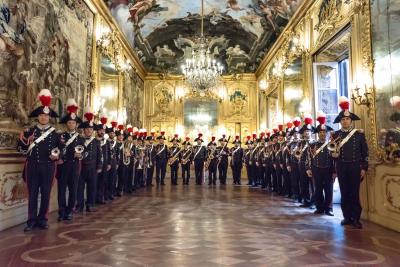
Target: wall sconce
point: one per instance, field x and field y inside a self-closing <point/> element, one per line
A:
<point x="221" y="94"/>
<point x="361" y="96"/>
<point x="263" y="85"/>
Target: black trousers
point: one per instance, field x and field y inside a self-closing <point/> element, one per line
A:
<point x="349" y="175"/>
<point x="174" y="173"/>
<point x="110" y="185"/>
<point x="150" y="174"/>
<point x="295" y="179"/>
<point x="323" y="188"/>
<point x="198" y="171"/>
<point x="222" y="172"/>
<point x="161" y="169"/>
<point x="306" y="185"/>
<point x="212" y="175"/>
<point x="67" y="178"/>
<point x="121" y="178"/>
<point x="287" y="188"/>
<point x="39" y="177"/>
<point x="268" y="169"/>
<point x="237" y="173"/>
<point x="87" y="180"/>
<point x="138" y="177"/>
<point x="129" y="174"/>
<point x="185" y="172"/>
<point x="249" y="174"/>
<point x="279" y="179"/>
<point x="254" y="172"/>
<point x="101" y="184"/>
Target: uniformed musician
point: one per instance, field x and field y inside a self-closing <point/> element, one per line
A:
<point x="111" y="181"/>
<point x="321" y="168"/>
<point x="254" y="163"/>
<point x="120" y="172"/>
<point x="186" y="160"/>
<point x="151" y="154"/>
<point x="306" y="182"/>
<point x="41" y="144"/>
<point x="293" y="160"/>
<point x="247" y="161"/>
<point x="223" y="154"/>
<point x="236" y="153"/>
<point x="174" y="159"/>
<point x="278" y="159"/>
<point x="161" y="159"/>
<point x="351" y="158"/>
<point x="92" y="165"/>
<point x="199" y="157"/>
<point x="212" y="161"/>
<point x="70" y="165"/>
<point x="105" y="148"/>
<point x="284" y="155"/>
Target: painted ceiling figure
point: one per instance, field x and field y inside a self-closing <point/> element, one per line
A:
<point x="140" y="8"/>
<point x="234" y="5"/>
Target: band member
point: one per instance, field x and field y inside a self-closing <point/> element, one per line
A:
<point x="131" y="140"/>
<point x="351" y="154"/>
<point x="199" y="156"/>
<point x="69" y="169"/>
<point x="277" y="159"/>
<point x="254" y="161"/>
<point x="120" y="171"/>
<point x="212" y="161"/>
<point x="125" y="170"/>
<point x="272" y="178"/>
<point x="141" y="160"/>
<point x="260" y="170"/>
<point x="161" y="159"/>
<point x="151" y="154"/>
<point x="321" y="168"/>
<point x="223" y="154"/>
<point x="283" y="157"/>
<point x="293" y="160"/>
<point x="92" y="164"/>
<point x="110" y="185"/>
<point x="236" y="160"/>
<point x="266" y="156"/>
<point x="186" y="160"/>
<point x="105" y="148"/>
<point x="174" y="159"/>
<point x="306" y="182"/>
<point x="247" y="161"/>
<point x="41" y="144"/>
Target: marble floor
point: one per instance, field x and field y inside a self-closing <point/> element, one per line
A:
<point x="201" y="226"/>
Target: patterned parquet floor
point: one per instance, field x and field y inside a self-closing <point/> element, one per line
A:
<point x="201" y="226"/>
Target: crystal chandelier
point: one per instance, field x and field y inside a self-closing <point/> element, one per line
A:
<point x="202" y="71"/>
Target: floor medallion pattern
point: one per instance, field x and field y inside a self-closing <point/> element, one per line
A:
<point x="201" y="226"/>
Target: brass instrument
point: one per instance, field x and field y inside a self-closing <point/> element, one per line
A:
<point x="126" y="153"/>
<point x="79" y="150"/>
<point x="186" y="158"/>
<point x="297" y="152"/>
<point x="174" y="158"/>
<point x="333" y="147"/>
<point x="55" y="152"/>
<point x="141" y="158"/>
<point x="209" y="159"/>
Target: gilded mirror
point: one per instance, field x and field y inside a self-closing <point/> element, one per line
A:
<point x="108" y="90"/>
<point x="293" y="90"/>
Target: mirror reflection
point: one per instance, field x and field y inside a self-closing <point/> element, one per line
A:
<point x="293" y="89"/>
<point x="108" y="88"/>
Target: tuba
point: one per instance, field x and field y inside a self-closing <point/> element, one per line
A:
<point x="186" y="156"/>
<point x="333" y="147"/>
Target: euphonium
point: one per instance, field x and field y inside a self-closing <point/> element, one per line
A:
<point x="126" y="154"/>
<point x="55" y="152"/>
<point x="333" y="147"/>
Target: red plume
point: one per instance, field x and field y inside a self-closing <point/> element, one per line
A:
<point x="280" y="127"/>
<point x="130" y="129"/>
<point x="176" y="135"/>
<point x="114" y="124"/>
<point x="254" y="135"/>
<point x="88" y="116"/>
<point x="248" y="137"/>
<point x="344" y="103"/>
<point x="262" y="134"/>
<point x="289" y="124"/>
<point x="213" y="138"/>
<point x="72" y="109"/>
<point x="297" y="122"/>
<point x="237" y="137"/>
<point x="103" y="120"/>
<point x="45" y="100"/>
<point x="308" y="121"/>
<point x="120" y="127"/>
<point x="187" y="138"/>
<point x="162" y="133"/>
<point x="275" y="130"/>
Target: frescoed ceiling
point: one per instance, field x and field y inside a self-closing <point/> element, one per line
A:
<point x="240" y="32"/>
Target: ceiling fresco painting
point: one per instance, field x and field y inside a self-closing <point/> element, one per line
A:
<point x="240" y="32"/>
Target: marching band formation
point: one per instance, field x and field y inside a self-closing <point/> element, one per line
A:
<point x="92" y="170"/>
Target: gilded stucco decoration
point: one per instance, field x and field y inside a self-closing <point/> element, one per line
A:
<point x="238" y="101"/>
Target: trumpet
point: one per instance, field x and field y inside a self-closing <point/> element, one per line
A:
<point x="55" y="152"/>
<point x="333" y="147"/>
<point x="79" y="150"/>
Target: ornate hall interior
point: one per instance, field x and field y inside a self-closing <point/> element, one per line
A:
<point x="107" y="107"/>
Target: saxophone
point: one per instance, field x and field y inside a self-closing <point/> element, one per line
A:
<point x="209" y="158"/>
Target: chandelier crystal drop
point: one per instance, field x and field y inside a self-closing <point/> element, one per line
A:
<point x="202" y="71"/>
